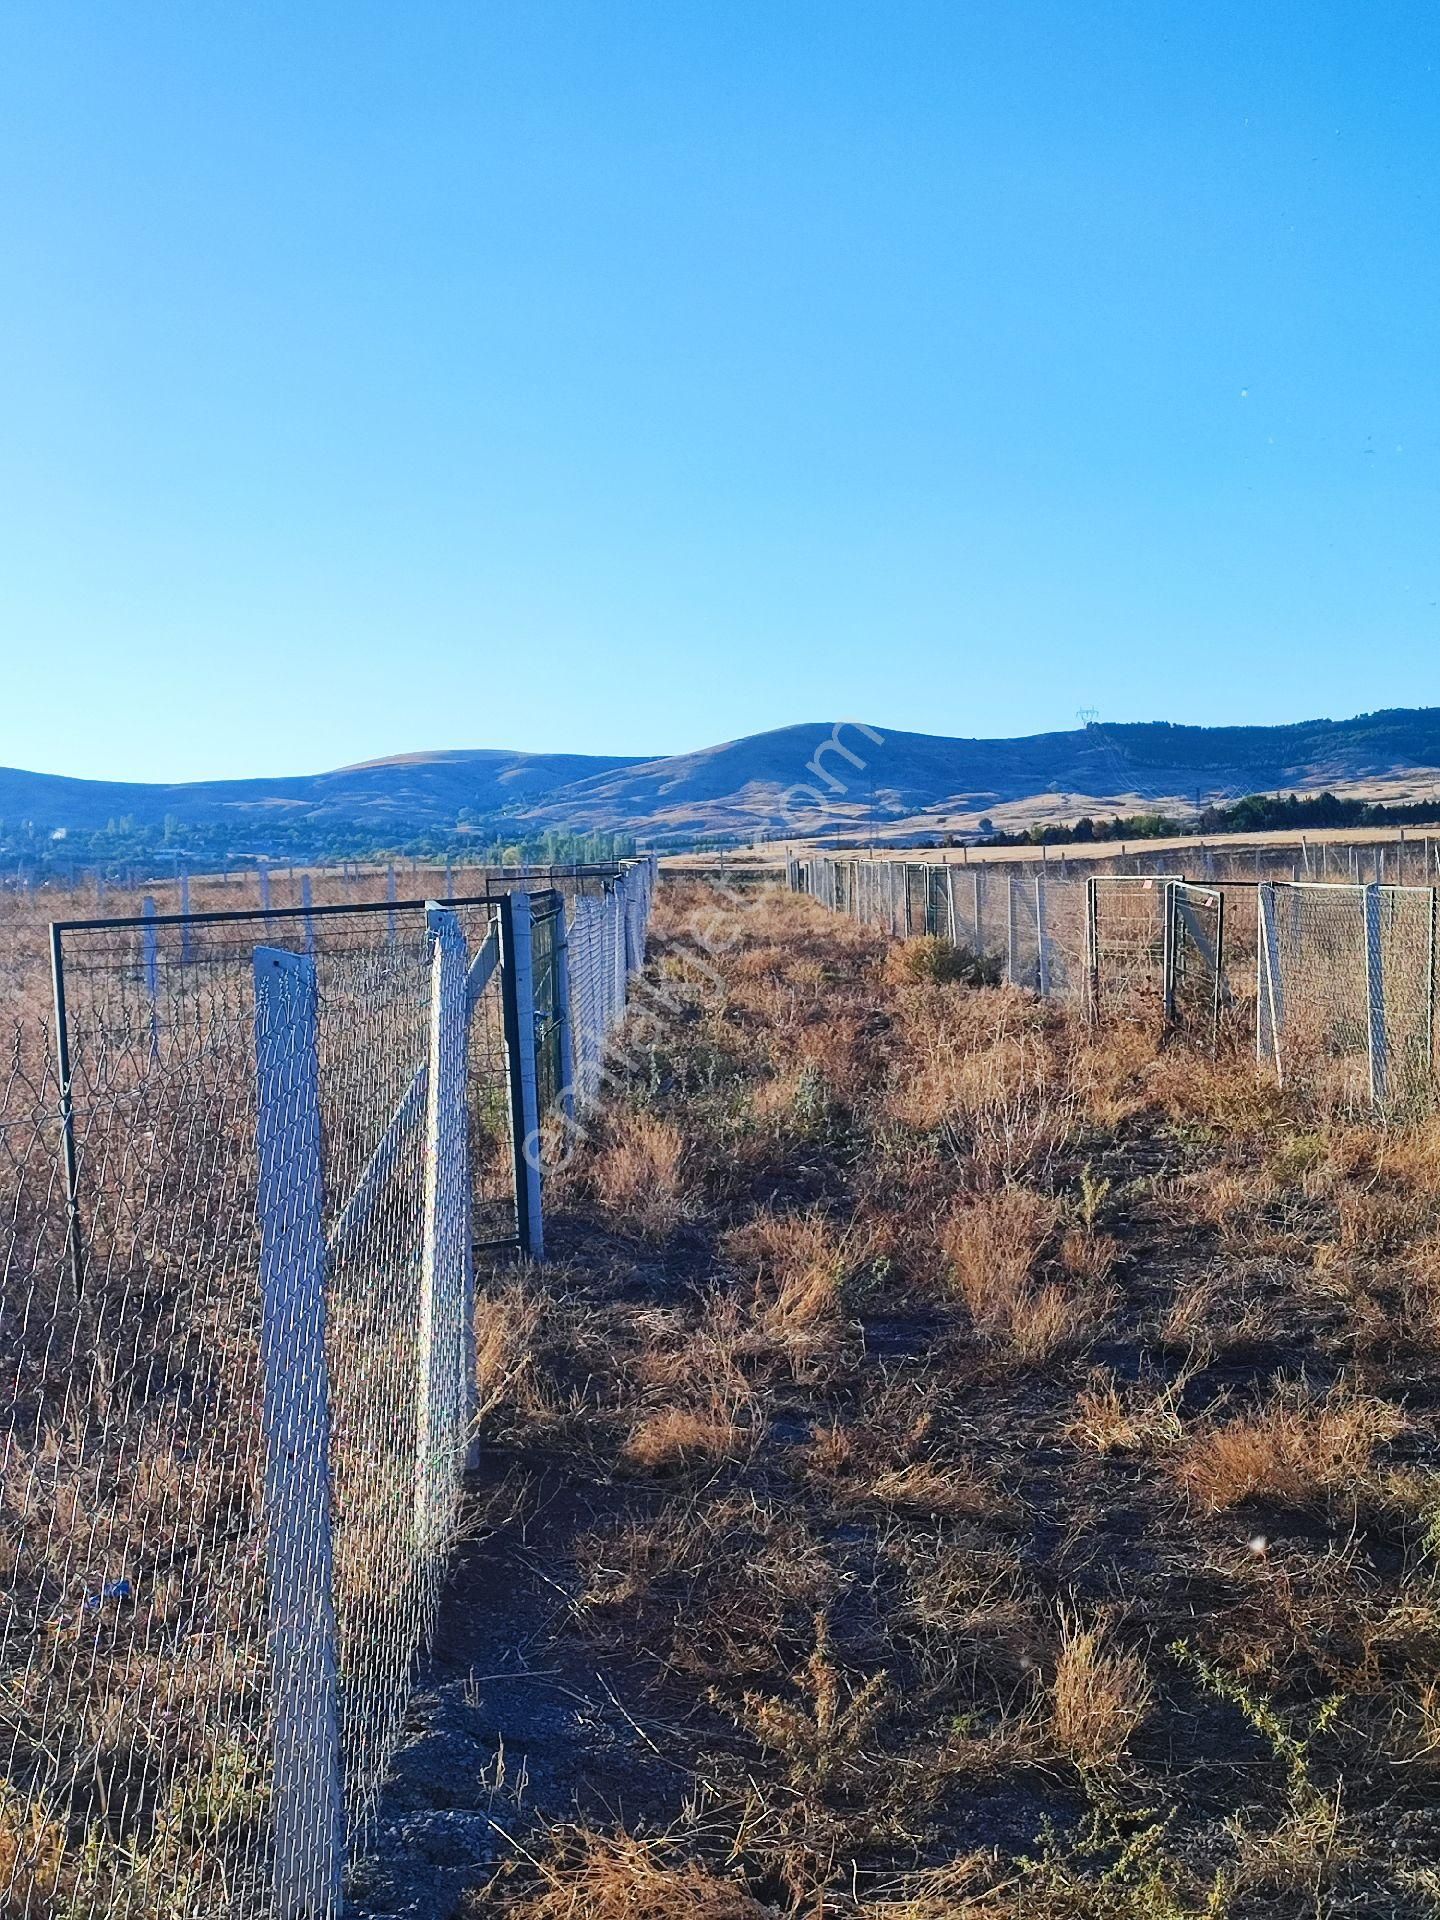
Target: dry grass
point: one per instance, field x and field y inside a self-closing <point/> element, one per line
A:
<point x="857" y="1463"/>
<point x="804" y="1270"/>
<point x="1292" y="1451"/>
<point x="1112" y="1419"/>
<point x="638" y="1175"/>
<point x="993" y="1247"/>
<point x="675" y="1439"/>
<point x="825" y="1459"/>
<point x="619" y="1876"/>
<point x="1099" y="1696"/>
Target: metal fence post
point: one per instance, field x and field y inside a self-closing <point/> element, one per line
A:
<point x="1012" y="935"/>
<point x="67" y="1112"/>
<point x="1092" y="948"/>
<point x="447" y="1291"/>
<point x="1375" y="999"/>
<point x="978" y="892"/>
<point x="151" y="953"/>
<point x="390" y="898"/>
<point x="1270" y="985"/>
<point x="517" y="983"/>
<point x="1042" y="936"/>
<point x="306" y="902"/>
<point x="185" y="924"/>
<point x="308" y="1796"/>
<point x="564" y="1021"/>
<point x="1171" y="952"/>
<point x="264" y="888"/>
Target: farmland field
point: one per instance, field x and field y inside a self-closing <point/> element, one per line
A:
<point x="955" y="1463"/>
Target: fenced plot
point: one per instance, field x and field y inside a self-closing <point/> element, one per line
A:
<point x="1335" y="984"/>
<point x="238" y="1372"/>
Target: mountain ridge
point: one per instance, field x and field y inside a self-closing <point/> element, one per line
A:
<point x="811" y="778"/>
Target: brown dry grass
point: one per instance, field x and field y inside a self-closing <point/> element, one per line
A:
<point x="620" y="1876"/>
<point x="1099" y="1695"/>
<point x="993" y="1247"/>
<point x="638" y="1176"/>
<point x="1292" y="1450"/>
<point x="867" y="1455"/>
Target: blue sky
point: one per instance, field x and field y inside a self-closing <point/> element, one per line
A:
<point x="626" y="377"/>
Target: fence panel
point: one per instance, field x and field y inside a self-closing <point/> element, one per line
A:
<point x="1348" y="990"/>
<point x="1195" y="978"/>
<point x="1128" y="935"/>
<point x="145" y="1375"/>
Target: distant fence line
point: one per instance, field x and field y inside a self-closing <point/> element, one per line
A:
<point x="242" y="1198"/>
<point x="1334" y="983"/>
<point x="277" y="882"/>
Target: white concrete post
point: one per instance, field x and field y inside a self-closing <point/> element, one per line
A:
<point x="1271" y="987"/>
<point x="151" y="953"/>
<point x="445" y="1383"/>
<point x="1042" y="935"/>
<point x="564" y="1019"/>
<point x="1012" y="934"/>
<point x="1375" y="998"/>
<point x="307" y="1796"/>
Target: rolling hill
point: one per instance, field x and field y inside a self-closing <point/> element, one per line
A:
<point x="795" y="781"/>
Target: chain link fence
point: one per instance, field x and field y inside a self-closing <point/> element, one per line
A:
<point x="1346" y="990"/>
<point x="241" y="1197"/>
<point x="1334" y="984"/>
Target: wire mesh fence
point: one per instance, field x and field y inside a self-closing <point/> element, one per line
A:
<point x="1195" y="976"/>
<point x="1346" y="989"/>
<point x="239" y="1207"/>
<point x="1334" y="983"/>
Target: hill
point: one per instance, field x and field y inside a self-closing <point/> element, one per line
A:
<point x="795" y="780"/>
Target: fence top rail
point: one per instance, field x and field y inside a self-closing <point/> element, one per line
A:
<point x="235" y="915"/>
<point x="1345" y="886"/>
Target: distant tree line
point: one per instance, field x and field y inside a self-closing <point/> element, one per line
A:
<point x="1256" y="813"/>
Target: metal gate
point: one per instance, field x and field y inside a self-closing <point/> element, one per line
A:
<point x="1126" y="942"/>
<point x="1195" y="984"/>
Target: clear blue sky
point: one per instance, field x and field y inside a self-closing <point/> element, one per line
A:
<point x="626" y="377"/>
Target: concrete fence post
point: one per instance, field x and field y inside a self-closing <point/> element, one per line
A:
<point x="1379" y="1040"/>
<point x="308" y="1795"/>
<point x="446" y="1373"/>
<point x="564" y="1019"/>
<point x="1270" y="985"/>
<point x="1012" y="933"/>
<point x="151" y="957"/>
